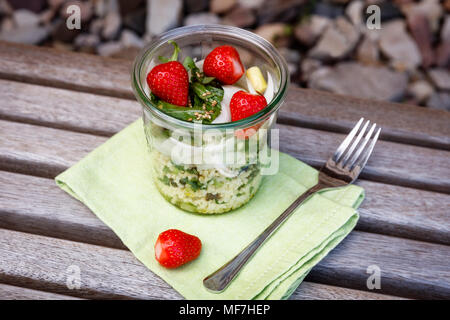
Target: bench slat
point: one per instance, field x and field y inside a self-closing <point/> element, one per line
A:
<point x="310" y="108"/>
<point x="53" y="213"/>
<point x="47" y="263"/>
<point x="8" y="292"/>
<point x="45" y="151"/>
<point x="48" y="211"/>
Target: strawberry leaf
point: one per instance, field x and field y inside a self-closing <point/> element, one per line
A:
<point x="175" y="53"/>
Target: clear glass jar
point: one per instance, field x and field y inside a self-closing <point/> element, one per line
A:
<point x="209" y="168"/>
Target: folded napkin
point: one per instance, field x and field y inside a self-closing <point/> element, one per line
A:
<point x="115" y="182"/>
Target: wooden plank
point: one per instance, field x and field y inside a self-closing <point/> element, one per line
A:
<point x="43" y="151"/>
<point x="391" y="162"/>
<point x="8" y="292"/>
<point x="43" y="263"/>
<point x="405" y="212"/>
<point x="408" y="268"/>
<point x="51" y="212"/>
<point x="65" y="109"/>
<point x="48" y="211"/>
<point x="400" y="122"/>
<point x="309" y="108"/>
<point x="62" y="69"/>
<point x="317" y="291"/>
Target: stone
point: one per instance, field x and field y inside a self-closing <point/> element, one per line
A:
<point x="328" y="9"/>
<point x="429" y="8"/>
<point x="86" y="40"/>
<point x="337" y="42"/>
<point x="109" y="48"/>
<point x="443" y="55"/>
<point x="420" y="90"/>
<point x="443" y="49"/>
<point x="388" y="11"/>
<point x="128" y="6"/>
<point x="354" y="79"/>
<point x="421" y="32"/>
<point x="192" y="6"/>
<point x="127" y="53"/>
<point x="5" y="8"/>
<point x="240" y="17"/>
<point x="33" y="5"/>
<point x="221" y="6"/>
<point x="201" y="18"/>
<point x="102" y="7"/>
<point x="273" y="32"/>
<point x="396" y="44"/>
<point x="26" y="34"/>
<point x="96" y="26"/>
<point x="163" y="15"/>
<point x="62" y="33"/>
<point x="445" y="31"/>
<point x="24" y="17"/>
<point x="86" y="10"/>
<point x="111" y="25"/>
<point x="130" y="39"/>
<point x="308" y="66"/>
<point x="368" y="52"/>
<point x="292" y="58"/>
<point x="447" y="5"/>
<point x="280" y="11"/>
<point x="440" y="78"/>
<point x="440" y="101"/>
<point x="354" y="12"/>
<point x="252" y="4"/>
<point x="309" y="30"/>
<point x="7" y="24"/>
<point x="55" y="4"/>
<point x="135" y="21"/>
<point x="47" y="16"/>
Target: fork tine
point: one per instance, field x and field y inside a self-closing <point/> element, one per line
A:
<point x="366" y="154"/>
<point x="355" y="156"/>
<point x="340" y="150"/>
<point x="350" y="150"/>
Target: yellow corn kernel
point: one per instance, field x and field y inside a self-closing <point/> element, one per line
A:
<point x="257" y="80"/>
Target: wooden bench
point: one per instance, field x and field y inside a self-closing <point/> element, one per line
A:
<point x="55" y="107"/>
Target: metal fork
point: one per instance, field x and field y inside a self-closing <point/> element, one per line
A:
<point x="341" y="169"/>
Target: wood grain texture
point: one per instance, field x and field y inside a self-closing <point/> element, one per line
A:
<point x="400" y="122"/>
<point x="317" y="291"/>
<point x="309" y="108"/>
<point x="62" y="69"/>
<point x="8" y="292"/>
<point x="65" y="109"/>
<point x="391" y="162"/>
<point x="48" y="211"/>
<point x="405" y="212"/>
<point x="43" y="151"/>
<point x="408" y="268"/>
<point x="43" y="263"/>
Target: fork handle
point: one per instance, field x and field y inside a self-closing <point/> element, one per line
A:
<point x="220" y="279"/>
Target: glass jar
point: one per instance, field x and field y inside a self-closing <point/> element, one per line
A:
<point x="209" y="168"/>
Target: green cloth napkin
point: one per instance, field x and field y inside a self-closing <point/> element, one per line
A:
<point x="115" y="182"/>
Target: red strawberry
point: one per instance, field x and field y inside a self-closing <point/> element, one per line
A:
<point x="174" y="248"/>
<point x="224" y="64"/>
<point x="245" y="104"/>
<point x="170" y="82"/>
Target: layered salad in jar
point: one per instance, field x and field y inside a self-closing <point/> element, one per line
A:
<point x="208" y="171"/>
